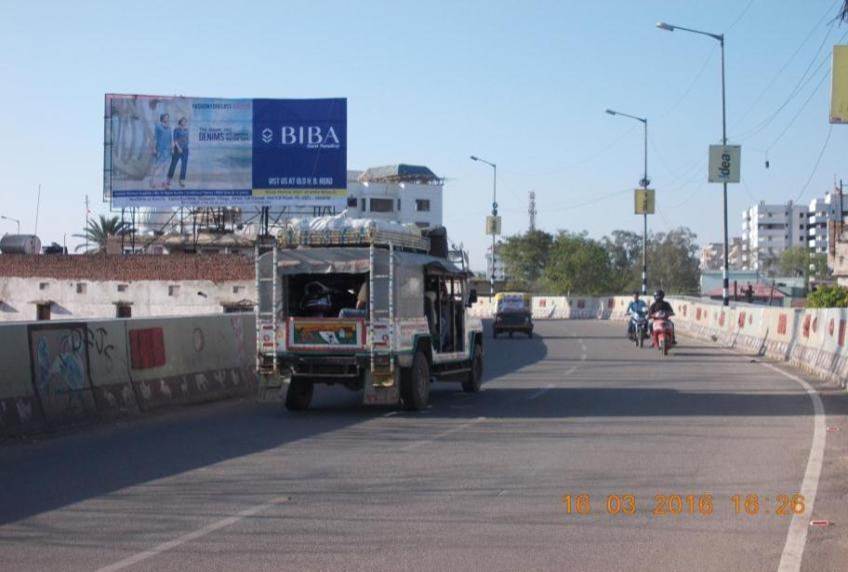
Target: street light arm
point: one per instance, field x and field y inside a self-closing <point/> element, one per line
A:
<point x="481" y="160"/>
<point x="672" y="27"/>
<point x="614" y="112"/>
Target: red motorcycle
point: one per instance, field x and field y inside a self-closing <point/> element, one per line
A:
<point x="662" y="331"/>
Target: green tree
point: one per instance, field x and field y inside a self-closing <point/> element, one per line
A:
<point x="625" y="252"/>
<point x="795" y="262"/>
<point x="828" y="297"/>
<point x="525" y="256"/>
<point x="673" y="261"/>
<point x="578" y="265"/>
<point x="97" y="232"/>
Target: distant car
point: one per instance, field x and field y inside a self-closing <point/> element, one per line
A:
<point x="513" y="313"/>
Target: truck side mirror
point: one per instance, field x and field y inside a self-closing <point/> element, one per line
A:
<point x="472" y="297"/>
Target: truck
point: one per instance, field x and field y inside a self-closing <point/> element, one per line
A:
<point x="367" y="305"/>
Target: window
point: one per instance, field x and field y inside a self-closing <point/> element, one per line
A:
<point x="381" y="205"/>
<point x="43" y="285"/>
<point x="42" y="311"/>
<point x="238" y="289"/>
<point x="422" y="205"/>
<point x="81" y="287"/>
<point x="398" y="205"/>
<point x="351" y="202"/>
<point x="236" y="308"/>
<point x="123" y="287"/>
<point x="362" y="205"/>
<point x="173" y="290"/>
<point x="123" y="311"/>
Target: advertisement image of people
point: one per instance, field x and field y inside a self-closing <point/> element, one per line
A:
<point x="170" y="151"/>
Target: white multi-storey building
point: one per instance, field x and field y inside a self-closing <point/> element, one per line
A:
<point x="822" y="211"/>
<point x="409" y="194"/>
<point x="768" y="230"/>
<point x="500" y="272"/>
<point x="712" y="255"/>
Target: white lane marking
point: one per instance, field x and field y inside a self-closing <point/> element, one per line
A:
<point x="796" y="538"/>
<point x="442" y="434"/>
<point x="171" y="544"/>
<point x="550" y="386"/>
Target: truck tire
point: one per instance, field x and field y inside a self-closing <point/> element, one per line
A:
<point x="415" y="383"/>
<point x="475" y="376"/>
<point x="299" y="394"/>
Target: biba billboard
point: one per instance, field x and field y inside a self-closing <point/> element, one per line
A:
<point x="175" y="151"/>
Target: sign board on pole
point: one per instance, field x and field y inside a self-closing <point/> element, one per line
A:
<point x="493" y="225"/>
<point x="724" y="163"/>
<point x="645" y="201"/>
<point x="839" y="85"/>
<point x="175" y="151"/>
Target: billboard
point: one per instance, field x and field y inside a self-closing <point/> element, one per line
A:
<point x="191" y="151"/>
<point x="724" y="163"/>
<point x="839" y="85"/>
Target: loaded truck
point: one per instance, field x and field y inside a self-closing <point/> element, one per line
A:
<point x="371" y="306"/>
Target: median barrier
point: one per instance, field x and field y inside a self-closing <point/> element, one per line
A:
<point x="189" y="360"/>
<point x="108" y="363"/>
<point x="20" y="411"/>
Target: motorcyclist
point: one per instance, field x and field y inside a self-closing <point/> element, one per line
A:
<point x="660" y="305"/>
<point x="635" y="308"/>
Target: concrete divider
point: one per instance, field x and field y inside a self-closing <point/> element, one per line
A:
<point x="20" y="411"/>
<point x="56" y="373"/>
<point x="191" y="360"/>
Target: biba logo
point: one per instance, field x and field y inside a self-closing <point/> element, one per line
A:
<point x="311" y="136"/>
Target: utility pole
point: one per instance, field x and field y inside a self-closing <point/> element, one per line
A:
<point x="532" y="211"/>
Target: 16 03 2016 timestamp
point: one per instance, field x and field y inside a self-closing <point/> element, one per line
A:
<point x="702" y="504"/>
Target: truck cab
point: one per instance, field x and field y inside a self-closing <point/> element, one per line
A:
<point x="365" y="305"/>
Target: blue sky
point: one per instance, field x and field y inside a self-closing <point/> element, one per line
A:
<point x="523" y="84"/>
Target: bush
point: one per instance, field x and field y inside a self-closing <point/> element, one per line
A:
<point x="828" y="297"/>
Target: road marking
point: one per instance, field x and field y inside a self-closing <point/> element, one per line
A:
<point x="442" y="434"/>
<point x="796" y="538"/>
<point x="550" y="386"/>
<point x="200" y="533"/>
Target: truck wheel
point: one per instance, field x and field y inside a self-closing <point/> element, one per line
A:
<point x="299" y="394"/>
<point x="529" y="333"/>
<point x="475" y="376"/>
<point x="415" y="383"/>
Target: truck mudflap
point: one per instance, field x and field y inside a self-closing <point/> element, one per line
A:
<point x="272" y="387"/>
<point x="381" y="387"/>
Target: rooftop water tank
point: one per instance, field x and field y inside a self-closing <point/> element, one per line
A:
<point x="20" y="244"/>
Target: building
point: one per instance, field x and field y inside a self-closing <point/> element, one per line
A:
<point x="58" y="287"/>
<point x="499" y="270"/>
<point x="712" y="255"/>
<point x="821" y="212"/>
<point x="409" y="194"/>
<point x="768" y="230"/>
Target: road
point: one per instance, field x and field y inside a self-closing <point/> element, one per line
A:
<point x="474" y="482"/>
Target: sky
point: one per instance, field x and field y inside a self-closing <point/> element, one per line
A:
<point x="522" y="84"/>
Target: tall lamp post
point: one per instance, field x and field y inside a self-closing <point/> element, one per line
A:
<point x="14" y="220"/>
<point x="720" y="37"/>
<point x="644" y="184"/>
<point x="494" y="207"/>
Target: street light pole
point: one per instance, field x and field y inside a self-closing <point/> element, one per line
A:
<point x="720" y="38"/>
<point x="14" y="220"/>
<point x="644" y="184"/>
<point x="494" y="207"/>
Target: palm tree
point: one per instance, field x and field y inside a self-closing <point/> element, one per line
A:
<point x="96" y="233"/>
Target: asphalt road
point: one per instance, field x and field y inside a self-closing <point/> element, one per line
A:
<point x="475" y="482"/>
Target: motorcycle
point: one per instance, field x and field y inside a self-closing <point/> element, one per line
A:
<point x="639" y="329"/>
<point x="662" y="332"/>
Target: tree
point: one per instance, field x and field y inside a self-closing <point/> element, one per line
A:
<point x="828" y="297"/>
<point x="97" y="232"/>
<point x="625" y="251"/>
<point x="673" y="261"/>
<point x="578" y="265"/>
<point x="524" y="257"/>
<point x="795" y="262"/>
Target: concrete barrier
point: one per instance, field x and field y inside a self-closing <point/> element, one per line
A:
<point x="58" y="373"/>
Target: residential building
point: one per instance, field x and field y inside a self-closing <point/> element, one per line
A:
<point x="768" y="230"/>
<point x="403" y="193"/>
<point x="499" y="271"/>
<point x="712" y="255"/>
<point x="822" y="211"/>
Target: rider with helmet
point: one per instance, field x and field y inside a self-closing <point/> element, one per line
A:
<point x="660" y="305"/>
